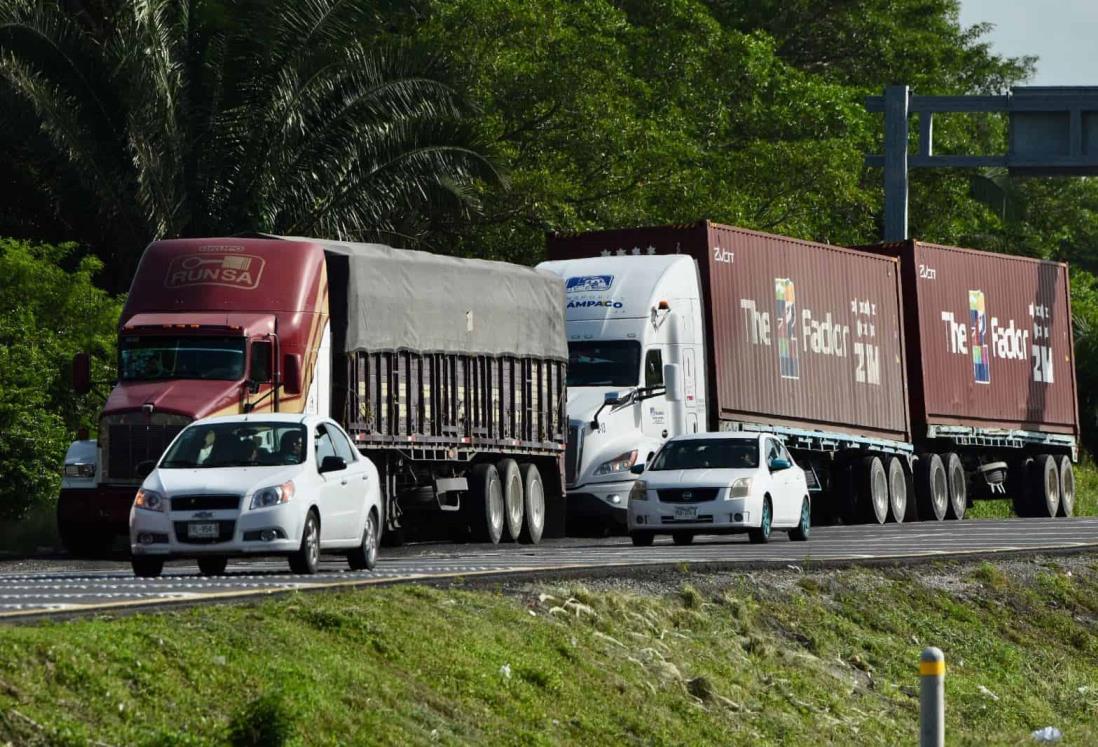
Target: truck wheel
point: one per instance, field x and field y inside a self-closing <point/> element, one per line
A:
<point x="1044" y="488"/>
<point x="144" y="567"/>
<point x="872" y="491"/>
<point x="642" y="539"/>
<point x="486" y="504"/>
<point x="513" y="500"/>
<point x="931" y="488"/>
<point x="897" y="490"/>
<point x="307" y="557"/>
<point x="534" y="516"/>
<point x="683" y="538"/>
<point x="1018" y="485"/>
<point x="1067" y="487"/>
<point x="212" y="566"/>
<point x="761" y="535"/>
<point x="958" y="489"/>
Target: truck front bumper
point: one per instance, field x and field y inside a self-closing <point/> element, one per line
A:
<point x="593" y="503"/>
<point x="104" y="509"/>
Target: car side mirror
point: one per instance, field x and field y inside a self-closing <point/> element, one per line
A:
<point x="637" y="469"/>
<point x="332" y="464"/>
<point x="672" y="382"/>
<point x="81" y="373"/>
<point x="777" y="465"/>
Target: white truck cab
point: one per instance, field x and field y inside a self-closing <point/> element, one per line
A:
<point x="636" y="373"/>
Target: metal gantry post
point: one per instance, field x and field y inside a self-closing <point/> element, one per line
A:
<point x="932" y="698"/>
<point x="896" y="100"/>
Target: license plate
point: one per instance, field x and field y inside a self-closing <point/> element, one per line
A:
<point x="686" y="512"/>
<point x="203" y="531"/>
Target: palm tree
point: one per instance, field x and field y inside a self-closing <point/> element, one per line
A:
<point x="159" y="118"/>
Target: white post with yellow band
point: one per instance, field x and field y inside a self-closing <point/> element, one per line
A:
<point x="932" y="668"/>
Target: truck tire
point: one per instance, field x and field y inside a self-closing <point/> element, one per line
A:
<point x="485" y="506"/>
<point x="534" y="515"/>
<point x="1067" y="487"/>
<point x="82" y="542"/>
<point x="931" y="488"/>
<point x="513" y="499"/>
<point x="897" y="490"/>
<point x="872" y="491"/>
<point x="1044" y="490"/>
<point x="1018" y="486"/>
<point x="958" y="488"/>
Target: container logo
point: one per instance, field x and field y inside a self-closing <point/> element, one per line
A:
<point x="785" y="312"/>
<point x="589" y="284"/>
<point x="981" y="350"/>
<point x="241" y="271"/>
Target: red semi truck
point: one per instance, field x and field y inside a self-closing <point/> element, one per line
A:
<point x="448" y="373"/>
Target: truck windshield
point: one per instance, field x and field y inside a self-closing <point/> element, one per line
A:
<point x="604" y="363"/>
<point x="208" y="445"/>
<point x="707" y="454"/>
<point x="146" y="358"/>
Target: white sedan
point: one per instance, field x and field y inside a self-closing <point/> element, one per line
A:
<point x="259" y="484"/>
<point x="720" y="483"/>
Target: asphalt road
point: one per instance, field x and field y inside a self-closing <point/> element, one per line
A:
<point x="34" y="588"/>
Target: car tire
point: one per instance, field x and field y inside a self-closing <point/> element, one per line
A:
<point x="683" y="538"/>
<point x="803" y="529"/>
<point x="306" y="559"/>
<point x="761" y="534"/>
<point x="958" y="487"/>
<point x="212" y="566"/>
<point x="364" y="557"/>
<point x="1067" y="488"/>
<point x="897" y="491"/>
<point x="144" y="567"/>
<point x="931" y="488"/>
<point x="514" y="508"/>
<point x="872" y="491"/>
<point x="642" y="539"/>
<point x="1044" y="487"/>
<point x="533" y="492"/>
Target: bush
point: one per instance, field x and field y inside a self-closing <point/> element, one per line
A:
<point x="264" y="722"/>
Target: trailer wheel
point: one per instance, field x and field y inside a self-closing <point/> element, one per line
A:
<point x="1067" y="487"/>
<point x="897" y="490"/>
<point x="931" y="488"/>
<point x="1018" y="486"/>
<point x="1044" y="488"/>
<point x="958" y="488"/>
<point x="534" y="516"/>
<point x="872" y="491"/>
<point x="513" y="499"/>
<point x="486" y="509"/>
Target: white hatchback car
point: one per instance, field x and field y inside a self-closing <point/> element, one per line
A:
<point x="259" y="484"/>
<point x="720" y="483"/>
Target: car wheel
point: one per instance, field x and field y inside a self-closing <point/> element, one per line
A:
<point x="513" y="499"/>
<point x="958" y="488"/>
<point x="931" y="488"/>
<point x="364" y="557"/>
<point x="534" y="494"/>
<point x="485" y="507"/>
<point x="1044" y="488"/>
<point x="761" y="535"/>
<point x="897" y="491"/>
<point x="873" y="491"/>
<point x="147" y="567"/>
<point x="642" y="539"/>
<point x="212" y="566"/>
<point x="800" y="532"/>
<point x="1067" y="487"/>
<point x="307" y="557"/>
<point x="683" y="538"/>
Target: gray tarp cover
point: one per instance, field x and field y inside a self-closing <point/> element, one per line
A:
<point x="399" y="299"/>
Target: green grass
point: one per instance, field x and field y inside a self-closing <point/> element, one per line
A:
<point x="813" y="658"/>
<point x="1086" y="496"/>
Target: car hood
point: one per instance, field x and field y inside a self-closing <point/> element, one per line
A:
<point x="681" y="478"/>
<point x="219" y="480"/>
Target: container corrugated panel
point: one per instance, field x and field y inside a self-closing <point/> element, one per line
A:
<point x="989" y="340"/>
<point x="800" y="334"/>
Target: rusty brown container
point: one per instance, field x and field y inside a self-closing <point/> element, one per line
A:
<point x="799" y="334"/>
<point x="989" y="341"/>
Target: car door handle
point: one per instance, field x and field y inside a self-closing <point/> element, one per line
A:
<point x="343" y="481"/>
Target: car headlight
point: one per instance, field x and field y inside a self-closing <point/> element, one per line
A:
<point x="150" y="500"/>
<point x="79" y="470"/>
<point x="272" y="496"/>
<point x="639" y="491"/>
<point x="741" y="488"/>
<point x="620" y="463"/>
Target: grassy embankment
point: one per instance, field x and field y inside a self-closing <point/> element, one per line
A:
<point x="793" y="657"/>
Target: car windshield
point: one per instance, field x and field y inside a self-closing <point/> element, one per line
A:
<point x="604" y="363"/>
<point x="209" y="445"/>
<point x="708" y="454"/>
<point x="145" y="357"/>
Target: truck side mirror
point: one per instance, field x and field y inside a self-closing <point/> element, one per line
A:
<point x="291" y="374"/>
<point x="81" y="373"/>
<point x="611" y="398"/>
<point x="672" y="382"/>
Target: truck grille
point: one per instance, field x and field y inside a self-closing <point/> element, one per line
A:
<point x="130" y="446"/>
<point x="205" y="502"/>
<point x="572" y="453"/>
<point x="688" y="495"/>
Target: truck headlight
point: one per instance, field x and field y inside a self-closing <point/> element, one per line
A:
<point x="274" y="495"/>
<point x="620" y="463"/>
<point x="741" y="488"/>
<point x="79" y="470"/>
<point x="150" y="500"/>
<point x="639" y="491"/>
